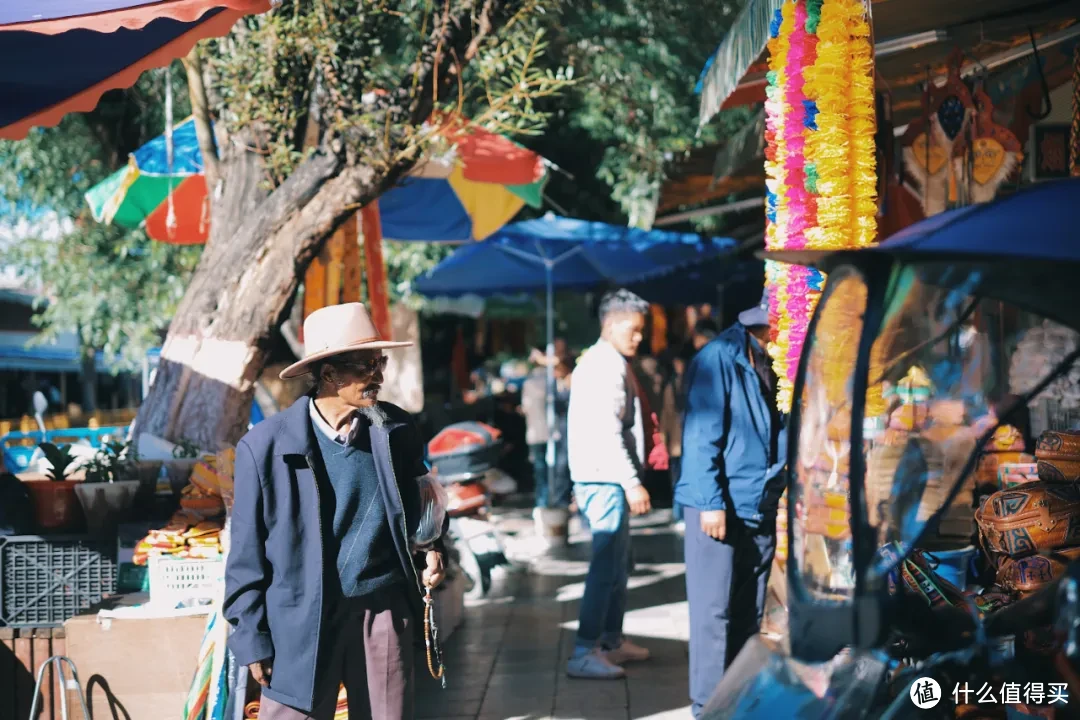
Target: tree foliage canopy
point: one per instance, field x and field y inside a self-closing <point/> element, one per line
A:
<point x="114" y="287"/>
<point x="604" y="89"/>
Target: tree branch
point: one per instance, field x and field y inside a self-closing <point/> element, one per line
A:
<point x="200" y="111"/>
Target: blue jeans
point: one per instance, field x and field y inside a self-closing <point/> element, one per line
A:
<point x="544" y="497"/>
<point x="604" y="603"/>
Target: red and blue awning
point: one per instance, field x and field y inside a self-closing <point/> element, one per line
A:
<point x="61" y="56"/>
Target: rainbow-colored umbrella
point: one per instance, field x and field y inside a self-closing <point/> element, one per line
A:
<point x="467" y="193"/>
<point x="462" y="195"/>
<point x="170" y="202"/>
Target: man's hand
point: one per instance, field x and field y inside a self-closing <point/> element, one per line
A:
<point x="714" y="524"/>
<point x="434" y="573"/>
<point x="638" y="498"/>
<point x="261" y="672"/>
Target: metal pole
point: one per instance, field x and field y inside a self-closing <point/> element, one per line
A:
<point x="549" y="271"/>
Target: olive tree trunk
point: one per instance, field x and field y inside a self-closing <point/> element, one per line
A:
<point x="261" y="245"/>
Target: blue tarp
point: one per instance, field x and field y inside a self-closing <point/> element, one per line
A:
<point x="51" y="69"/>
<point x="582" y="255"/>
<point x="1037" y="223"/>
<point x="702" y="283"/>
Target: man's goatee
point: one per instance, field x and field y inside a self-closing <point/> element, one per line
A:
<point x="375" y="415"/>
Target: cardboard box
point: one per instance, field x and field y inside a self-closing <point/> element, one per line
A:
<point x="144" y="667"/>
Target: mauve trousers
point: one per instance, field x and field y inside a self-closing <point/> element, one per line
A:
<point x="372" y="654"/>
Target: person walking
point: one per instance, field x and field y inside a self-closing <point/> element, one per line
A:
<point x="671" y="419"/>
<point x="612" y="441"/>
<point x="534" y="407"/>
<point x="321" y="581"/>
<point x="734" y="447"/>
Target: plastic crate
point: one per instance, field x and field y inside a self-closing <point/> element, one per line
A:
<point x="45" y="581"/>
<point x="179" y="582"/>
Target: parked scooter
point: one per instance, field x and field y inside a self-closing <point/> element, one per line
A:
<point x="463" y="458"/>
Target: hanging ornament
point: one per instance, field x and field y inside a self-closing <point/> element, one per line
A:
<point x="991" y="155"/>
<point x="1074" y="139"/>
<point x="951" y="115"/>
<point x="928" y="144"/>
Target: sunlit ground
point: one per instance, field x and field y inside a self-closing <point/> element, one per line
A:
<point x="508" y="660"/>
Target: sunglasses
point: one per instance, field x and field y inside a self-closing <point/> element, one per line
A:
<point x="367" y="367"/>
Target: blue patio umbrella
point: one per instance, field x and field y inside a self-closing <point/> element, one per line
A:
<point x="557" y="253"/>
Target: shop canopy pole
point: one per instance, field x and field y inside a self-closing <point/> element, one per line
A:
<point x="549" y="271"/>
<point x="549" y="283"/>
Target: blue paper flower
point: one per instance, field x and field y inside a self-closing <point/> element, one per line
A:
<point x="811" y="109"/>
<point x="774" y="26"/>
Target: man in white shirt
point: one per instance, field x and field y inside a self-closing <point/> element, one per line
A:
<point x="608" y="435"/>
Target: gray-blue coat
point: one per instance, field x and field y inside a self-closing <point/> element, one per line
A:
<point x="274" y="576"/>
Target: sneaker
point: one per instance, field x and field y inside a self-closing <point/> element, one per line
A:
<point x="594" y="666"/>
<point x="628" y="652"/>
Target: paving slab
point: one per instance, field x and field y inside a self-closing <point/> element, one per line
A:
<point x="507" y="661"/>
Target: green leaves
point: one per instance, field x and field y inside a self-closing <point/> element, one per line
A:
<point x="115" y="288"/>
<point x="60" y="458"/>
<point x="637" y="62"/>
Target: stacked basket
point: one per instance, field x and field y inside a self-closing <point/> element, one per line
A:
<point x="1031" y="531"/>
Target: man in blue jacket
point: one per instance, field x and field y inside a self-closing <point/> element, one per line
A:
<point x="320" y="584"/>
<point x="734" y="447"/>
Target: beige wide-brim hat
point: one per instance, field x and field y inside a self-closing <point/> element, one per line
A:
<point x="336" y="330"/>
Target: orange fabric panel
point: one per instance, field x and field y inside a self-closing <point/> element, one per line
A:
<point x="335" y="267"/>
<point x="378" y="291"/>
<point x="487" y="157"/>
<point x="192" y="208"/>
<point x="315" y="284"/>
<point x="353" y="270"/>
<point x="658" y="343"/>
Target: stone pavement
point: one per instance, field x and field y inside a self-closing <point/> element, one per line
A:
<point x="507" y="661"/>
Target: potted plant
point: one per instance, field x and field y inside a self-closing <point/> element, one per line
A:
<point x="109" y="489"/>
<point x="55" y="504"/>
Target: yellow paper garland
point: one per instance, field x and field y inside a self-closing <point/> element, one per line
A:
<point x="842" y="150"/>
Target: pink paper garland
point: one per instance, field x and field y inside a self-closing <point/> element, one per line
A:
<point x="801" y="206"/>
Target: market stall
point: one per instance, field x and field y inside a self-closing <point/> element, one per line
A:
<point x="876" y="115"/>
<point x="932" y="528"/>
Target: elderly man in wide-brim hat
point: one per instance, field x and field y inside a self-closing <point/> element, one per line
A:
<point x="322" y="585"/>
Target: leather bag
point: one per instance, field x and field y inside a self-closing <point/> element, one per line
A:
<point x="1035" y="518"/>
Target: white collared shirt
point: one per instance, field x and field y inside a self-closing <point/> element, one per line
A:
<point x="324" y="427"/>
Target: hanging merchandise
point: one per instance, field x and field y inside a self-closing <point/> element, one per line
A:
<point x="821" y="181"/>
<point x="1074" y="139"/>
<point x="947" y="112"/>
<point x="989" y="154"/>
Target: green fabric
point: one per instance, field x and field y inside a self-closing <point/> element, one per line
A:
<point x="143" y="197"/>
<point x="98" y="196"/>
<point x="533" y="193"/>
<point x="740" y="49"/>
<point x="811" y="178"/>
<point x="813" y="15"/>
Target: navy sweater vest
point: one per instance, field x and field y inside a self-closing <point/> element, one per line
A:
<point x="352" y="503"/>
